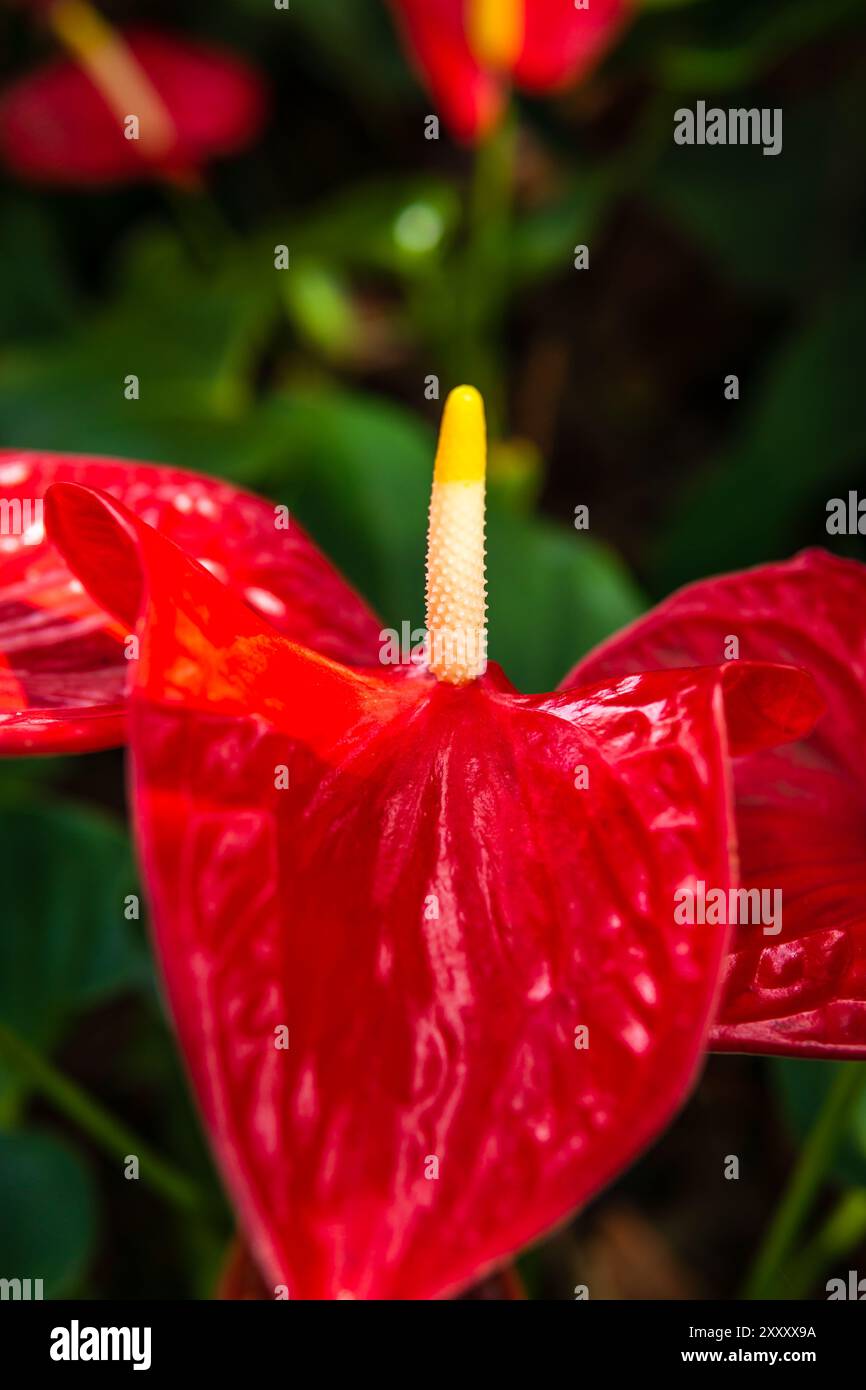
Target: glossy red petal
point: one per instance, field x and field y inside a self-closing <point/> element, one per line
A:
<point x="468" y="98"/>
<point x="801" y="810"/>
<point x="56" y="127"/>
<point x="562" y="43"/>
<point x="408" y="884"/>
<point x="62" y="666"/>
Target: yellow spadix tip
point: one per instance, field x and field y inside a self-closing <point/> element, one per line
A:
<point x="495" y="30"/>
<point x="81" y="27"/>
<point x="462" y="453"/>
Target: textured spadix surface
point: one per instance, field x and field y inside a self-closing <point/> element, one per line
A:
<point x="456" y="588"/>
<point x="433" y="890"/>
<point x="62" y="664"/>
<point x="801" y="809"/>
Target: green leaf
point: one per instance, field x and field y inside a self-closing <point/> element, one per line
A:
<point x="395" y="226"/>
<point x="802" y="1084"/>
<point x="357" y="472"/>
<point x="65" y="944"/>
<point x="190" y="336"/>
<point x="20" y="777"/>
<point x="802" y="438"/>
<point x="553" y="595"/>
<point x="47" y="1212"/>
<point x="748" y="209"/>
<point x="740" y="41"/>
<point x="542" y="242"/>
<point x="357" y="43"/>
<point x="36" y="296"/>
<point x="321" y="308"/>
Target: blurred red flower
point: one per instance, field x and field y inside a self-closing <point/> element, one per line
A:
<point x="468" y="50"/>
<point x="145" y="104"/>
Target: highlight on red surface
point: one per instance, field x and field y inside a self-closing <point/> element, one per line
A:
<point x="63" y="666"/>
<point x="417" y="938"/>
<point x="467" y="58"/>
<point x="193" y="103"/>
<point x="801" y="807"/>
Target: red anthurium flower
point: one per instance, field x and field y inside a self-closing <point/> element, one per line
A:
<point x="417" y="929"/>
<point x="63" y="663"/>
<point x="125" y="106"/>
<point x="469" y="50"/>
<point x="801" y="810"/>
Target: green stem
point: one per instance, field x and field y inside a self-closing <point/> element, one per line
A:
<point x="199" y="219"/>
<point x="843" y="1229"/>
<point x="493" y="178"/>
<point x="101" y="1126"/>
<point x="767" y="1276"/>
<point x="485" y="265"/>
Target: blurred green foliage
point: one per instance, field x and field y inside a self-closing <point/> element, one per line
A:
<point x="804" y="1086"/>
<point x="804" y="438"/>
<point x="48" y="1212"/>
<point x="67" y="944"/>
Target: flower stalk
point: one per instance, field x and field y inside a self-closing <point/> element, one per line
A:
<point x="767" y="1278"/>
<point x="112" y="1136"/>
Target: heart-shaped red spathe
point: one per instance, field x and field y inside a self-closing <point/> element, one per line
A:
<point x="62" y="663"/>
<point x="469" y="97"/>
<point x="801" y="809"/>
<point x="560" y="43"/>
<point x="55" y="126"/>
<point x="455" y="905"/>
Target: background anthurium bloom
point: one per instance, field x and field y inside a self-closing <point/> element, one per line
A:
<point x="62" y="663"/>
<point x="467" y="57"/>
<point x="57" y="127"/>
<point x="431" y="908"/>
<point x="801" y="809"/>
